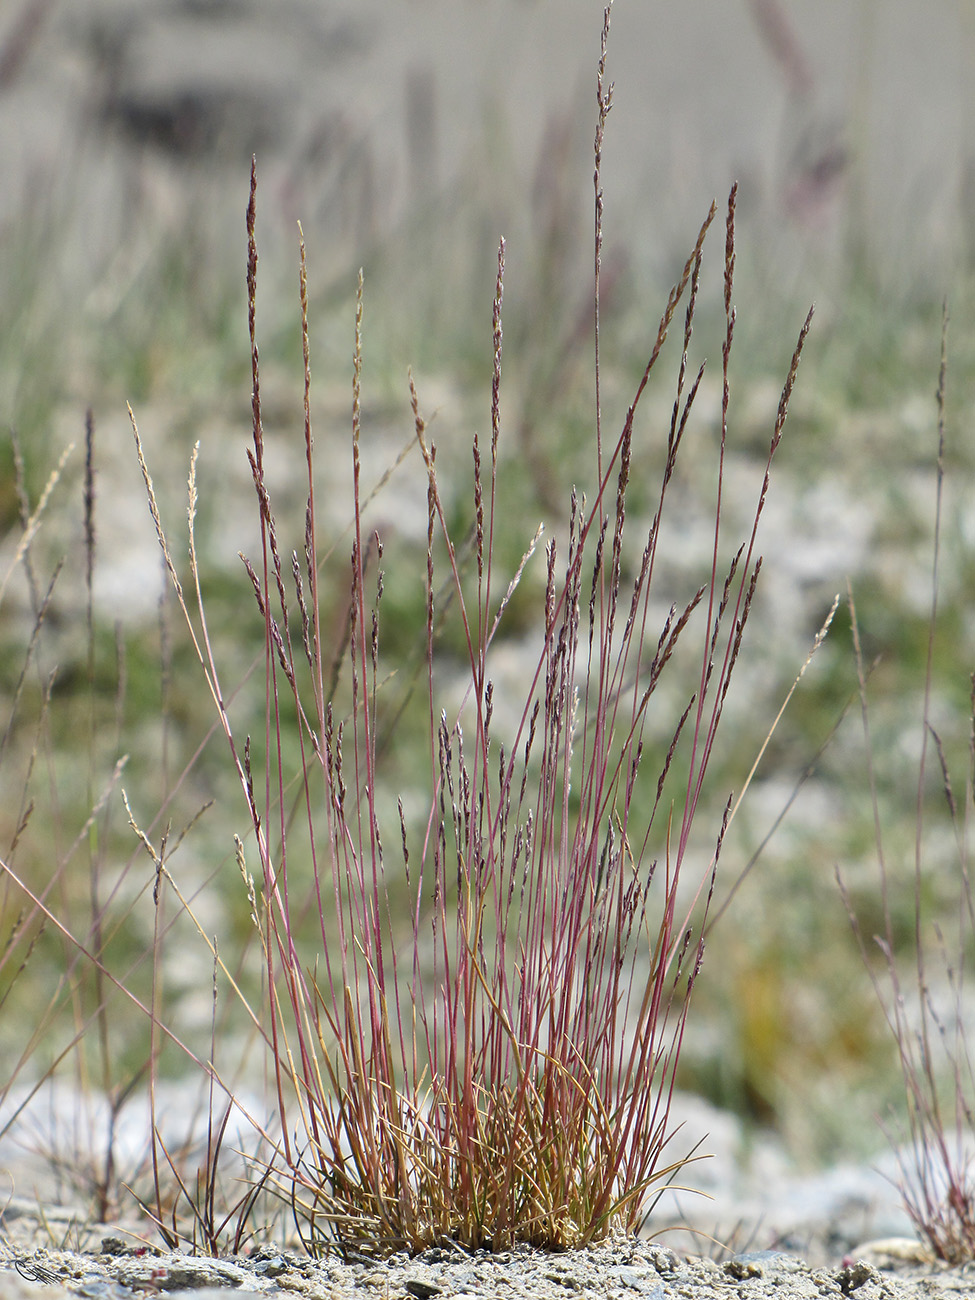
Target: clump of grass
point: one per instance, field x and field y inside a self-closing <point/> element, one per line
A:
<point x="927" y="1012"/>
<point x="505" y="1073"/>
<point x="480" y="1044"/>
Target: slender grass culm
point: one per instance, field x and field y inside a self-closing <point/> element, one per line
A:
<point x="506" y="1075"/>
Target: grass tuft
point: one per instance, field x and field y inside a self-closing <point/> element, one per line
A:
<point x="473" y="989"/>
<point x="482" y="1050"/>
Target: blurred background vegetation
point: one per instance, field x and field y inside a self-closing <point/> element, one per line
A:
<point x="407" y="140"/>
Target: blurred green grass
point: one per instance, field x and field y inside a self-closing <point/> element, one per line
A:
<point x="784" y="1029"/>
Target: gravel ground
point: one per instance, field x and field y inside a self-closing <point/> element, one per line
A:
<point x="787" y="1233"/>
<point x="619" y="1269"/>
